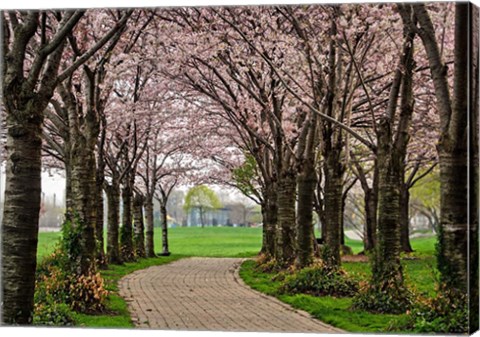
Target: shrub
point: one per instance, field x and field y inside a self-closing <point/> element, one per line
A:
<point x="84" y="293"/>
<point x="320" y="280"/>
<point x="267" y="264"/>
<point x="446" y="313"/>
<point x="383" y="298"/>
<point x="87" y="293"/>
<point x="53" y="314"/>
<point x="58" y="286"/>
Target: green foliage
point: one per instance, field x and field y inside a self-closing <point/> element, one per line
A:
<point x="71" y="244"/>
<point x="55" y="285"/>
<point x="58" y="287"/>
<point x="245" y="175"/>
<point x="201" y="196"/>
<point x="332" y="310"/>
<point x="320" y="280"/>
<point x="446" y="313"/>
<point x="384" y="297"/>
<point x="53" y="314"/>
<point x="427" y="190"/>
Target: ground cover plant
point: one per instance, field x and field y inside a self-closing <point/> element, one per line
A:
<point x="420" y="273"/>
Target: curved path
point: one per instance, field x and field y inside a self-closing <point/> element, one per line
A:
<point x="208" y="294"/>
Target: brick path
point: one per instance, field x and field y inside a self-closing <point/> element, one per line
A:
<point x="208" y="294"/>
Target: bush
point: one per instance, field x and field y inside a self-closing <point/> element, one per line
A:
<point x="87" y="293"/>
<point x="267" y="264"/>
<point x="59" y="290"/>
<point x="320" y="280"/>
<point x="53" y="314"/>
<point x="383" y="298"/>
<point x="446" y="313"/>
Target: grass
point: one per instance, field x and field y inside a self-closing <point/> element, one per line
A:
<point x="183" y="242"/>
<point x="117" y="315"/>
<point x="246" y="242"/>
<point x="191" y="241"/>
<point x="419" y="273"/>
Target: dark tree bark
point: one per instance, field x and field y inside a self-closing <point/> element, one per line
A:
<point x="474" y="167"/>
<point x="333" y="172"/>
<point x="82" y="166"/>
<point x="269" y="215"/>
<point x="25" y="97"/>
<point x="99" y="222"/>
<point x="306" y="182"/>
<point x="113" y="199"/>
<point x="405" y="219"/>
<point x="126" y="232"/>
<point x="285" y="234"/>
<point x="387" y="268"/>
<point x="387" y="273"/>
<point x="452" y="146"/>
<point x="139" y="229"/>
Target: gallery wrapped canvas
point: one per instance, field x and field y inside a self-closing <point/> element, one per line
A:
<point x="263" y="168"/>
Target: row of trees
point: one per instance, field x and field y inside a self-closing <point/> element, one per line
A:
<point x="292" y="105"/>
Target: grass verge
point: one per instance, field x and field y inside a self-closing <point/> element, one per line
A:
<point x="117" y="314"/>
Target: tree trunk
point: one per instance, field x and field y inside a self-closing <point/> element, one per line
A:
<point x="83" y="184"/>
<point x="387" y="269"/>
<point x="452" y="147"/>
<point x="149" y="246"/>
<point x="269" y="213"/>
<point x="474" y="167"/>
<point x="453" y="252"/>
<point x="113" y="199"/>
<point x="68" y="184"/>
<point x="333" y="208"/>
<point x="306" y="182"/>
<point x="126" y="233"/>
<point x="99" y="223"/>
<point x="285" y="234"/>
<point x="139" y="237"/>
<point x="163" y="212"/>
<point x="369" y="236"/>
<point x="21" y="215"/>
<point x="405" y="219"/>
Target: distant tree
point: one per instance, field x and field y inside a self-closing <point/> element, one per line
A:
<point x="425" y="199"/>
<point x="202" y="198"/>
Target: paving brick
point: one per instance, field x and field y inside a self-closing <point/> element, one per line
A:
<point x="208" y="294"/>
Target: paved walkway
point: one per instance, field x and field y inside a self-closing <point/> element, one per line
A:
<point x="208" y="294"/>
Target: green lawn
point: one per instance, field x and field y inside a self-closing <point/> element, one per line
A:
<point x="420" y="274"/>
<point x="246" y="242"/>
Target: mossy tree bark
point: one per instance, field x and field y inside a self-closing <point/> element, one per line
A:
<point x="82" y="165"/>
